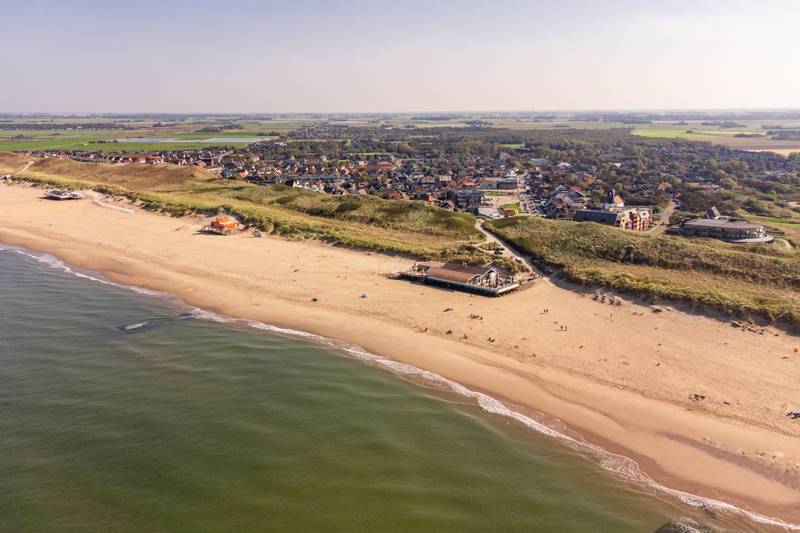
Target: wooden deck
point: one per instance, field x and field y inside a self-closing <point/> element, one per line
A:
<point x="486" y="290"/>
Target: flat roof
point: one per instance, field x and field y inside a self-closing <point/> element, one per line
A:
<point x="455" y="266"/>
<point x="455" y="271"/>
<point x="596" y="216"/>
<point x="733" y="224"/>
<point x="450" y="275"/>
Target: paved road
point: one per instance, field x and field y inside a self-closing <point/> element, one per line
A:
<point x="508" y="251"/>
<point x="662" y="226"/>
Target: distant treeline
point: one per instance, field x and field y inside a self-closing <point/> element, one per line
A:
<point x="622" y="116"/>
<point x="434" y="117"/>
<point x="785" y="135"/>
<point x="59" y="126"/>
<point x="217" y="129"/>
<point x="723" y="124"/>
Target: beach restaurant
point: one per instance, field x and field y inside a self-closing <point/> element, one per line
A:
<point x="458" y="275"/>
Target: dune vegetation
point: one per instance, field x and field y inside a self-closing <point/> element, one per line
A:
<point x="412" y="228"/>
<point x="741" y="280"/>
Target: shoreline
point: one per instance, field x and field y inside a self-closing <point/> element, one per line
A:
<point x="606" y="410"/>
<point x="615" y="464"/>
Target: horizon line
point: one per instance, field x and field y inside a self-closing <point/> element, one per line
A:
<point x="461" y="111"/>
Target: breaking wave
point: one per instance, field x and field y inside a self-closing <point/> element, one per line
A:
<point x="618" y="465"/>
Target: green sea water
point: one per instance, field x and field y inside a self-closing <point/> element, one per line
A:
<point x="118" y="413"/>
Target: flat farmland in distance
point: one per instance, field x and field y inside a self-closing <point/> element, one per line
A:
<point x="725" y="136"/>
<point x="84" y="143"/>
<point x="84" y="139"/>
<point x="280" y="126"/>
<point x="672" y="133"/>
<point x="58" y="137"/>
<point x="198" y="135"/>
<point x="160" y="146"/>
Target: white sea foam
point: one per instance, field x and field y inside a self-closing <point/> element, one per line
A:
<point x="58" y="264"/>
<point x="619" y="465"/>
<point x="134" y="327"/>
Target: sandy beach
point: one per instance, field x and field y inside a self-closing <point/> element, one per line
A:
<point x="698" y="404"/>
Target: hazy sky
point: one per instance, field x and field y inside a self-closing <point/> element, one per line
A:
<point x="432" y="55"/>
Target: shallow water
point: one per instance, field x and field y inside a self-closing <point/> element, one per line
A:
<point x="127" y="411"/>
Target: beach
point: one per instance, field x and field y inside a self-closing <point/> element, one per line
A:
<point x="698" y="404"/>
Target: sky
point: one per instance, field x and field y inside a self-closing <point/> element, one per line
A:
<point x="404" y="56"/>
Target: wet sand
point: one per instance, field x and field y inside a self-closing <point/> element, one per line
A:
<point x="698" y="404"/>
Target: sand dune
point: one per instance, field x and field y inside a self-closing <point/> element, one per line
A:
<point x="699" y="404"/>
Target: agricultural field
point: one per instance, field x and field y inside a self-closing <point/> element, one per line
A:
<point x="67" y="134"/>
<point x="85" y="143"/>
<point x="85" y="140"/>
<point x="695" y="130"/>
<point x="188" y="128"/>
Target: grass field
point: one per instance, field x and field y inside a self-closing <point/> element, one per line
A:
<point x="671" y="133"/>
<point x="740" y="280"/>
<point x="224" y="133"/>
<point x="84" y="144"/>
<point x="724" y="136"/>
<point x="79" y="140"/>
<point x="514" y="206"/>
<point x="787" y="229"/>
<point x="318" y="140"/>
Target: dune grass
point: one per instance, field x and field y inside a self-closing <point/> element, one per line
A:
<point x="739" y="280"/>
<point x="415" y="229"/>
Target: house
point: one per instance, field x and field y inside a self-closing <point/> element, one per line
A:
<point x="464" y="198"/>
<point x="505" y="183"/>
<point x="609" y="218"/>
<point x="564" y="205"/>
<point x="631" y="218"/>
<point x="728" y="229"/>
<point x="613" y="201"/>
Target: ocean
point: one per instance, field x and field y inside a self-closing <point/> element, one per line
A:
<point x="127" y="410"/>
